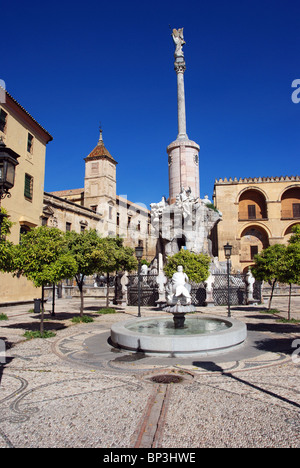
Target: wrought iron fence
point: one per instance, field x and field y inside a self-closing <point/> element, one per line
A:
<point x="198" y="294"/>
<point x="238" y="290"/>
<point x="149" y="290"/>
<point x="237" y="287"/>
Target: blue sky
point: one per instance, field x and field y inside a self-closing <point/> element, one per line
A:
<point x="75" y="64"/>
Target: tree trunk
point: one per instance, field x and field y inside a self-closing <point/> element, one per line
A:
<point x="289" y="307"/>
<point x="79" y="282"/>
<point x="42" y="313"/>
<point x="107" y="291"/>
<point x="53" y="301"/>
<point x="271" y="297"/>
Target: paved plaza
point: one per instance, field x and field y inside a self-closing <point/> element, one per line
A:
<point x="76" y="390"/>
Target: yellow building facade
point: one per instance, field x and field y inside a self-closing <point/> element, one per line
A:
<point x="24" y="135"/>
<point x="256" y="213"/>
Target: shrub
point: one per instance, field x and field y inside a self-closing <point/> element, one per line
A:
<point x="29" y="335"/>
<point x="196" y="266"/>
<point x="82" y="318"/>
<point x="106" y="310"/>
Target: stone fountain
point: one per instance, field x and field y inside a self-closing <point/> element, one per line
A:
<point x="180" y="336"/>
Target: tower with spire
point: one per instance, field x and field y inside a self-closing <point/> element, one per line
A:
<point x="100" y="182"/>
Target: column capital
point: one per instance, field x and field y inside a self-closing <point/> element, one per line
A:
<point x="179" y="66"/>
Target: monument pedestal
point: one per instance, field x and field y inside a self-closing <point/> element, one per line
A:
<point x="183" y="167"/>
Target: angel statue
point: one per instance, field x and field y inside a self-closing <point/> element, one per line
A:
<point x="178" y="41"/>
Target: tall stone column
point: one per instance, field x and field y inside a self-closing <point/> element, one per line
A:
<point x="183" y="153"/>
<point x="180" y="69"/>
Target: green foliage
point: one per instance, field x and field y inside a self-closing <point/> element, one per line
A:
<point x="196" y="266"/>
<point x="29" y="335"/>
<point x="295" y="237"/>
<point x="43" y="257"/>
<point x="7" y="255"/>
<point x="84" y="248"/>
<point x="284" y="320"/>
<point x="279" y="263"/>
<point x="3" y="317"/>
<point x="211" y="206"/>
<point x="269" y="263"/>
<point x="6" y="248"/>
<point x="6" y="223"/>
<point x="114" y="256"/>
<point x="82" y="318"/>
<point x="271" y="312"/>
<point x="106" y="310"/>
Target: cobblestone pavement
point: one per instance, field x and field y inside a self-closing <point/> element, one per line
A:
<point x="75" y="390"/>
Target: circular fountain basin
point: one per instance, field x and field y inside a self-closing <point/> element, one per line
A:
<point x="200" y="336"/>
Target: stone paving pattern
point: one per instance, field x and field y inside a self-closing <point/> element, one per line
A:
<point x="75" y="390"/>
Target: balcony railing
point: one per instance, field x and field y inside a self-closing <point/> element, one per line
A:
<point x="289" y="214"/>
<point x="245" y="217"/>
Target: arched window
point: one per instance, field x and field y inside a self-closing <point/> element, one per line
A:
<point x="290" y="204"/>
<point x="252" y="205"/>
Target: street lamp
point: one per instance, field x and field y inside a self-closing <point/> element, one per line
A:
<point x="8" y="163"/>
<point x="227" y="251"/>
<point x="139" y="253"/>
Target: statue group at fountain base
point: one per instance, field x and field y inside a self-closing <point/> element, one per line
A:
<point x="174" y="296"/>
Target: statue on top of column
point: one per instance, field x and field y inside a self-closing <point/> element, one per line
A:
<point x="177" y="35"/>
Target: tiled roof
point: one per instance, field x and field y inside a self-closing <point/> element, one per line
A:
<point x="101" y="152"/>
<point x="61" y="193"/>
<point x="27" y="113"/>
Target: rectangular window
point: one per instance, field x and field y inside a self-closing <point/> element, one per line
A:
<point x="68" y="227"/>
<point x="95" y="168"/>
<point x="28" y="187"/>
<point x="118" y="219"/>
<point x="253" y="251"/>
<point x="251" y="212"/>
<point x="94" y="208"/>
<point x="110" y="210"/>
<point x="30" y="143"/>
<point x="3" y="118"/>
<point x="296" y="210"/>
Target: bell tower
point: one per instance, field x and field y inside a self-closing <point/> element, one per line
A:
<point x="100" y="183"/>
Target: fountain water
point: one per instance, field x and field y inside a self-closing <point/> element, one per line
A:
<point x="181" y="336"/>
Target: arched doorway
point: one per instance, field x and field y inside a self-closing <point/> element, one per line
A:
<point x="253" y="240"/>
<point x="288" y="232"/>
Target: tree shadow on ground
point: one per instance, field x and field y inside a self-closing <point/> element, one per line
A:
<point x="276" y="345"/>
<point x="213" y="367"/>
<point x="284" y="328"/>
<point x="35" y="326"/>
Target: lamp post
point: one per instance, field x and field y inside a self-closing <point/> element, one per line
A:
<point x="8" y="163"/>
<point x="139" y="253"/>
<point x="227" y="251"/>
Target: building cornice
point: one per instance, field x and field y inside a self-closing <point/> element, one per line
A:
<point x="257" y="180"/>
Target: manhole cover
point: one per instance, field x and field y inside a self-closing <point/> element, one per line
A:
<point x="167" y="379"/>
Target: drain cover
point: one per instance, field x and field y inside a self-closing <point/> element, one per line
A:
<point x="166" y="378"/>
